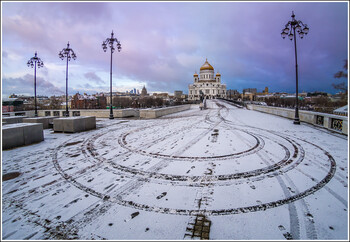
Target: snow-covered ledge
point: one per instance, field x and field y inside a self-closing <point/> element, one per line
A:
<point x="329" y="121"/>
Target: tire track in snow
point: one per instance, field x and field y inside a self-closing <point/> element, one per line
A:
<point x="293" y="215"/>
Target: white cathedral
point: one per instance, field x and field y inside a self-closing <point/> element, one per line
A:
<point x="206" y="83"/>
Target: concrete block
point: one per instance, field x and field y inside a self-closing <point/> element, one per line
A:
<point x="58" y="124"/>
<point x="44" y="120"/>
<point x="74" y="124"/>
<point x="90" y="123"/>
<point x="33" y="133"/>
<point x="14" y="135"/>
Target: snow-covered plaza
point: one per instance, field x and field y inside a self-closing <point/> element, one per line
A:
<point x="223" y="173"/>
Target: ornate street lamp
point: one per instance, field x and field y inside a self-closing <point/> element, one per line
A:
<point x="110" y="42"/>
<point x="34" y="62"/>
<point x="68" y="53"/>
<point x="291" y="27"/>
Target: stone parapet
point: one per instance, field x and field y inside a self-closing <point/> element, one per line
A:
<point x="28" y="114"/>
<point x="329" y="121"/>
<point x="14" y="135"/>
<point x="98" y="113"/>
<point x="158" y="112"/>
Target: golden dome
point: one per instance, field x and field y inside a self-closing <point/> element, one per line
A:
<point x="206" y="66"/>
<point x="195" y="74"/>
<point x="218" y="74"/>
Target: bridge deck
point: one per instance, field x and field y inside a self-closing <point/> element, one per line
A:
<point x="219" y="173"/>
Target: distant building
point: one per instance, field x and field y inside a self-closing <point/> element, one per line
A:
<point x="232" y="94"/>
<point x="248" y="96"/>
<point x="206" y="84"/>
<point x="88" y="102"/>
<point x="250" y="90"/>
<point x="341" y="111"/>
<point x="266" y="90"/>
<point x="317" y="94"/>
<point x="12" y="104"/>
<point x="177" y="94"/>
<point x="163" y="95"/>
<point x="132" y="91"/>
<point x="144" y="92"/>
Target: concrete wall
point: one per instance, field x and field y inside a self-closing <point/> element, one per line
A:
<point x="13" y="119"/>
<point x="14" y="135"/>
<point x="117" y="113"/>
<point x="158" y="112"/>
<point x="306" y="116"/>
<point x="98" y="113"/>
<point x="28" y="114"/>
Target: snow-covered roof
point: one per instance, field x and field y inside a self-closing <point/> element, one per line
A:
<point x="342" y="110"/>
<point x="7" y="99"/>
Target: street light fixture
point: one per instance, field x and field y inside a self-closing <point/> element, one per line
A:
<point x="69" y="53"/>
<point x="290" y="27"/>
<point x="34" y="62"/>
<point x="110" y="42"/>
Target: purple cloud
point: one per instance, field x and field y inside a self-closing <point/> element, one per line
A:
<point x="91" y="76"/>
<point x="25" y="85"/>
<point x="164" y="43"/>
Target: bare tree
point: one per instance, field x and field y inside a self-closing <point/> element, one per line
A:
<point x="341" y="74"/>
<point x="55" y="102"/>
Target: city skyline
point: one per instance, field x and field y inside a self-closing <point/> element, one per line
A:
<point x="163" y="44"/>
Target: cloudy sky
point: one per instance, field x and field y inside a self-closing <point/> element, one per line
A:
<point x="164" y="43"/>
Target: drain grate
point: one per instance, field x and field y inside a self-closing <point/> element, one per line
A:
<point x="199" y="229"/>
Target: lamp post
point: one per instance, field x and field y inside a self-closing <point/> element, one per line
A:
<point x="34" y="62"/>
<point x="68" y="53"/>
<point x="291" y="27"/>
<point x="110" y="42"/>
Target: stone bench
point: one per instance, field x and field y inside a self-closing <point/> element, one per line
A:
<point x="74" y="124"/>
<point x="14" y="135"/>
<point x="46" y="121"/>
<point x="13" y="119"/>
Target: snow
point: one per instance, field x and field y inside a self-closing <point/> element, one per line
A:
<point x="255" y="176"/>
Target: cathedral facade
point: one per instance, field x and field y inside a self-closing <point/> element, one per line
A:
<point x="206" y="84"/>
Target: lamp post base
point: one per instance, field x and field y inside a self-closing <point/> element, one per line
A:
<point x="111" y="117"/>
<point x="296" y="121"/>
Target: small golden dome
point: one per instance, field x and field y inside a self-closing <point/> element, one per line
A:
<point x="206" y="66"/>
<point x="218" y="74"/>
<point x="195" y="74"/>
